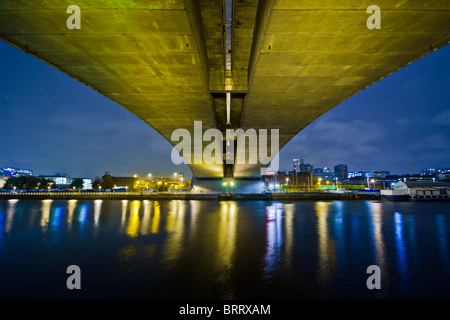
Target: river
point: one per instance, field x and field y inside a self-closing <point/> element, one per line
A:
<point x="224" y="249"/>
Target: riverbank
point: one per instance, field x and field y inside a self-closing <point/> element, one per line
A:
<point x="185" y="196"/>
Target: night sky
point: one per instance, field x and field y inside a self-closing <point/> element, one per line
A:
<point x="51" y="123"/>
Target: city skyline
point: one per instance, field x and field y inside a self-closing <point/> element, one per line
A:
<point x="403" y="126"/>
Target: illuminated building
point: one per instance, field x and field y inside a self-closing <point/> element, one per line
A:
<point x="15" y="172"/>
<point x="59" y="179"/>
<point x="355" y="174"/>
<point x="380" y="174"/>
<point x="3" y="181"/>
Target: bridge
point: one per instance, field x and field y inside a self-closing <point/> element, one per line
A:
<point x="267" y="64"/>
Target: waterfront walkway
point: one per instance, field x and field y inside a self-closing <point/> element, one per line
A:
<point x="184" y="196"/>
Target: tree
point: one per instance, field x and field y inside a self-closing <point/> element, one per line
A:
<point x="18" y="182"/>
<point x="43" y="183"/>
<point x="107" y="183"/>
<point x="96" y="183"/>
<point x="31" y="183"/>
<point x="77" y="183"/>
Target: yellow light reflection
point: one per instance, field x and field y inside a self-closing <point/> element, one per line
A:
<point x="289" y="232"/>
<point x="327" y="246"/>
<point x="45" y="217"/>
<point x="227" y="233"/>
<point x="133" y="222"/>
<point x="156" y="217"/>
<point x="71" y="209"/>
<point x="145" y="224"/>
<point x="226" y="243"/>
<point x="175" y="226"/>
<point x="195" y="210"/>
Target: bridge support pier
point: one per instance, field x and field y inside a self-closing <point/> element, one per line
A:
<point x="248" y="185"/>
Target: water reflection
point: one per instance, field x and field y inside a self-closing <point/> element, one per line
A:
<point x="289" y="235"/>
<point x="124" y="213"/>
<point x="274" y="238"/>
<point x="45" y="215"/>
<point x="2" y="233"/>
<point x="71" y="209"/>
<point x="10" y="214"/>
<point x="156" y="217"/>
<point x="145" y="224"/>
<point x="133" y="221"/>
<point x="376" y="229"/>
<point x="327" y="246"/>
<point x="97" y="211"/>
<point x="339" y="232"/>
<point x="174" y="227"/>
<point x="443" y="239"/>
<point x="55" y="224"/>
<point x="226" y="245"/>
<point x="401" y="250"/>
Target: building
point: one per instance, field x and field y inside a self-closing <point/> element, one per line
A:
<point x="59" y="179"/>
<point x="87" y="183"/>
<point x="128" y="182"/>
<point x="300" y="166"/>
<point x="291" y="178"/>
<point x="325" y="176"/>
<point x="306" y="167"/>
<point x="341" y="171"/>
<point x="433" y="171"/>
<point x="15" y="172"/>
<point x="381" y="174"/>
<point x="321" y="170"/>
<point x="3" y="181"/>
<point x="296" y="163"/>
<point x="356" y="174"/>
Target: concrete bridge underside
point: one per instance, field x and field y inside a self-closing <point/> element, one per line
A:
<point x="166" y="61"/>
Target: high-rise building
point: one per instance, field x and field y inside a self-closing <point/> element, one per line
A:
<point x="300" y="166"/>
<point x="341" y="171"/>
<point x="296" y="163"/>
<point x="307" y="167"/>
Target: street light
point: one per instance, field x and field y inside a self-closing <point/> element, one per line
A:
<point x="373" y="181"/>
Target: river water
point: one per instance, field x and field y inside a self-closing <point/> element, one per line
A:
<point x="224" y="249"/>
